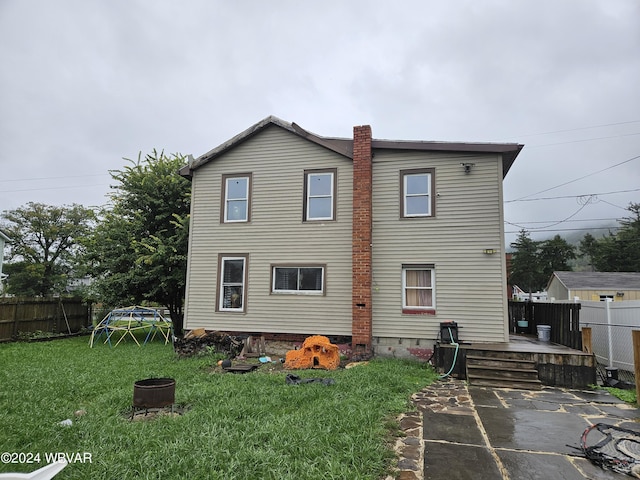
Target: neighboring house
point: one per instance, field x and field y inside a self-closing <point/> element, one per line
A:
<point x="3" y="239"/>
<point x="376" y="240"/>
<point x="522" y="296"/>
<point x="594" y="286"/>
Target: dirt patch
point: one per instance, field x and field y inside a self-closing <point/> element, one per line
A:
<point x="142" y="414"/>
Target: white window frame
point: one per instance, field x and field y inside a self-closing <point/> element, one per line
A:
<point x="429" y="268"/>
<point x="429" y="174"/>
<point x="246" y="198"/>
<point x="297" y="291"/>
<point x="308" y="176"/>
<point x="222" y="284"/>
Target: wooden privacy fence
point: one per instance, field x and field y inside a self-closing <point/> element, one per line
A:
<point x="563" y="318"/>
<point x="54" y="315"/>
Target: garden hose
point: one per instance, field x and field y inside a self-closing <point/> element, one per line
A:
<point x="455" y="355"/>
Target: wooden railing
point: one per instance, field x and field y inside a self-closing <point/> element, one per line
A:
<point x="563" y="318"/>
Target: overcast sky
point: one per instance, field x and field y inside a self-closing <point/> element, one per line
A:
<point x="84" y="84"/>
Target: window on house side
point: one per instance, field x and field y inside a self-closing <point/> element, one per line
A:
<point x="418" y="292"/>
<point x="232" y="291"/>
<point x="298" y="280"/>
<point x="236" y="198"/>
<point x="417" y="193"/>
<point x="319" y="195"/>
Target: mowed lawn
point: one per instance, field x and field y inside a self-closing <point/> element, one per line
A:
<point x="234" y="426"/>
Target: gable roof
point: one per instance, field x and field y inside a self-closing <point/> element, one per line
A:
<point x="599" y="280"/>
<point x="344" y="146"/>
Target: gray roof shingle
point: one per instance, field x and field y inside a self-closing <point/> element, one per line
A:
<point x="600" y="280"/>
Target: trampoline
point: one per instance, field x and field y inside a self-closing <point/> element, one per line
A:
<point x="125" y="322"/>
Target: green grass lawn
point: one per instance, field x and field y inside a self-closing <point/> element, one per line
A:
<point x="245" y="426"/>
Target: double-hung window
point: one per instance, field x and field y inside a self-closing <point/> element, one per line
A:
<point x="298" y="279"/>
<point x="236" y="198"/>
<point x="319" y="194"/>
<point x="417" y="193"/>
<point x="418" y="288"/>
<point x="232" y="281"/>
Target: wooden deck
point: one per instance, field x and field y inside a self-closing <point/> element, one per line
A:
<point x="557" y="365"/>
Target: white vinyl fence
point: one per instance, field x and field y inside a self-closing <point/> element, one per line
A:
<point x="611" y="324"/>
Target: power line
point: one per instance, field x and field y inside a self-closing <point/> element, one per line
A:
<point x="572" y="196"/>
<point x="583" y="140"/>
<point x="587" y="202"/>
<point x="51" y="188"/>
<point x="575" y="129"/>
<point x="53" y="178"/>
<point x="569" y="221"/>
<point x="577" y="179"/>
<point x="568" y="229"/>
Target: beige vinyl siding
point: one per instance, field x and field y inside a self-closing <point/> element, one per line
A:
<point x="470" y="285"/>
<point x="276" y="235"/>
<point x="594" y="295"/>
<point x="557" y="290"/>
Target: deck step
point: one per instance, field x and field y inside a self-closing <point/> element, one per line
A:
<point x="501" y="362"/>
<point x="501" y="383"/>
<point x="495" y="371"/>
<point x="502" y="372"/>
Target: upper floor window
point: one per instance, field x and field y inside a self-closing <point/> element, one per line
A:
<point x="237" y="198"/>
<point x="416" y="188"/>
<point x="319" y="194"/>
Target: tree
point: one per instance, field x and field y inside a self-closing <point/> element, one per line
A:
<point x="554" y="255"/>
<point x="533" y="262"/>
<point x="526" y="271"/>
<point x="588" y="248"/>
<point x="45" y="251"/>
<point x="139" y="249"/>
<point x="619" y="252"/>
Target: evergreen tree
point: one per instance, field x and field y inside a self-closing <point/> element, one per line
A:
<point x="526" y="270"/>
<point x="554" y="255"/>
<point x="619" y="252"/>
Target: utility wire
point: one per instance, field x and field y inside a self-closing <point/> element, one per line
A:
<point x="568" y="229"/>
<point x="51" y="188"/>
<point x="583" y="140"/>
<point x="578" y="220"/>
<point x="54" y="178"/>
<point x="575" y="180"/>
<point x="573" y="196"/>
<point x="587" y="202"/>
<point x="575" y="129"/>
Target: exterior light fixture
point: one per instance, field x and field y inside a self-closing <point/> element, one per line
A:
<point x="489" y="251"/>
<point x="467" y="167"/>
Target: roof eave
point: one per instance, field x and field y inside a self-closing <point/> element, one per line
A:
<point x="509" y="151"/>
<point x="339" y="145"/>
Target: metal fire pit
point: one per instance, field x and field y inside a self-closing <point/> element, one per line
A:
<point x="154" y="393"/>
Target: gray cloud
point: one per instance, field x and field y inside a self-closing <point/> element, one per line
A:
<point x="87" y="83"/>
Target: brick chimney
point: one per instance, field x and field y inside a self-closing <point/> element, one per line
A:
<point x="361" y="317"/>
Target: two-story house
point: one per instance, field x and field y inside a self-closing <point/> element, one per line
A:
<point x="376" y="240"/>
<point x="3" y="239"/>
